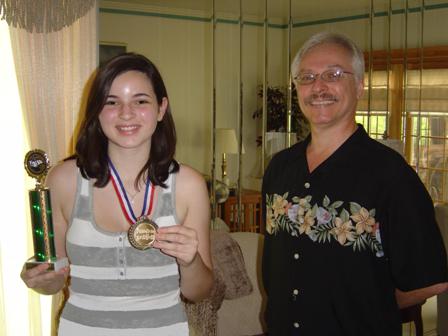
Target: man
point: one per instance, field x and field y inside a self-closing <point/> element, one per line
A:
<point x="351" y="234"/>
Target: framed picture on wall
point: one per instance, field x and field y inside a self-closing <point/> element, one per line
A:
<point x="110" y="49"/>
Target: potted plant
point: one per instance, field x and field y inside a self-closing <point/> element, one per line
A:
<point x="277" y="110"/>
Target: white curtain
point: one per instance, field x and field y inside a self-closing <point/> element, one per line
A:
<point x="52" y="70"/>
<point x="46" y="92"/>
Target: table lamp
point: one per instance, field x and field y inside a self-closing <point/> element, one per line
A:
<point x="226" y="143"/>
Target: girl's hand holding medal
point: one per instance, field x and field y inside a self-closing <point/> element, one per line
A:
<point x="178" y="241"/>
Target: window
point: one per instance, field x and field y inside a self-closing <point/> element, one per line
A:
<point x="411" y="106"/>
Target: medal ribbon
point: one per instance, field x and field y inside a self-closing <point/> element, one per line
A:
<point x="123" y="197"/>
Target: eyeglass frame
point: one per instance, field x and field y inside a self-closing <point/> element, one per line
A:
<point x="339" y="72"/>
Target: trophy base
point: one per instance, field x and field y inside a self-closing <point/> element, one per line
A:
<point x="55" y="264"/>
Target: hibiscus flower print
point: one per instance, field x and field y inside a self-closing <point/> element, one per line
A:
<point x="324" y="222"/>
<point x="293" y="213"/>
<point x="279" y="205"/>
<point x="297" y="211"/>
<point x="308" y="222"/>
<point x="364" y="222"/>
<point x="270" y="222"/>
<point x="304" y="205"/>
<point x="323" y="216"/>
<point x="343" y="230"/>
<point x="276" y="208"/>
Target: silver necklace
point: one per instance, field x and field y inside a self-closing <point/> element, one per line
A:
<point x="131" y="196"/>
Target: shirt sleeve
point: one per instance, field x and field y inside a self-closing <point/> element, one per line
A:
<point x="415" y="247"/>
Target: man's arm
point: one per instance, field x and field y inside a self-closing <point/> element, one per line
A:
<point x="413" y="297"/>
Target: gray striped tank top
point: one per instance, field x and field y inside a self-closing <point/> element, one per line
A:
<point x="115" y="289"/>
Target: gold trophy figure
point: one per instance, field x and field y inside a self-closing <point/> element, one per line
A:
<point x="37" y="166"/>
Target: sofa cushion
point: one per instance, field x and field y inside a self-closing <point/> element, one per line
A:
<point x="231" y="282"/>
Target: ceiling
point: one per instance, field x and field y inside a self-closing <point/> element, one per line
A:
<point x="300" y="9"/>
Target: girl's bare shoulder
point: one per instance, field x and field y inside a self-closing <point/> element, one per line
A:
<point x="189" y="177"/>
<point x="62" y="177"/>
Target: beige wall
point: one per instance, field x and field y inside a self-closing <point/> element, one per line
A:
<point x="181" y="51"/>
<point x="181" y="48"/>
<point x="435" y="27"/>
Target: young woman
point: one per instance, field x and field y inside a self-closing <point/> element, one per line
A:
<point x="132" y="221"/>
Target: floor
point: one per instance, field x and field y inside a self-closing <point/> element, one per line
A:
<point x="429" y="312"/>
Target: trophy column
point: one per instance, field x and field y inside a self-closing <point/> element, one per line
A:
<point x="37" y="166"/>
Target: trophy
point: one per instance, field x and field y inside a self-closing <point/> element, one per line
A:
<point x="37" y="166"/>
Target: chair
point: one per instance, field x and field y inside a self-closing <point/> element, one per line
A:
<point x="244" y="315"/>
<point x="413" y="314"/>
<point x="442" y="299"/>
<point x="251" y="217"/>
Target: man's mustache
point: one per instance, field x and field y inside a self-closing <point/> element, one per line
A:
<point x="325" y="96"/>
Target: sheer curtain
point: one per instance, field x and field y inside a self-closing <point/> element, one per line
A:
<point x="43" y="77"/>
<point x="52" y="70"/>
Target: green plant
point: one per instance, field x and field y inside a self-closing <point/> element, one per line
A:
<point x="277" y="111"/>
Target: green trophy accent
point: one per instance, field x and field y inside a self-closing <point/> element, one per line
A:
<point x="42" y="234"/>
<point x="37" y="166"/>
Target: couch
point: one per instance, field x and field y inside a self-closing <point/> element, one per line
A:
<point x="244" y="315"/>
<point x="236" y="304"/>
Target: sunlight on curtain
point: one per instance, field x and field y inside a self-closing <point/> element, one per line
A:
<point x="15" y="297"/>
<point x="52" y="71"/>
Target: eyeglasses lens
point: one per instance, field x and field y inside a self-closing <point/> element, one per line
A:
<point x="332" y="75"/>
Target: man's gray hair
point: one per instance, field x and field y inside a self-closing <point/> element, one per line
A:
<point x="333" y="38"/>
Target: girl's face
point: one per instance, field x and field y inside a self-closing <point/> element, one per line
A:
<point x="130" y="115"/>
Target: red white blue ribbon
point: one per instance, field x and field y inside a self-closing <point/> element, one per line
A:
<point x="123" y="197"/>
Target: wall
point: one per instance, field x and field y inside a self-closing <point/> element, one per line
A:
<point x="181" y="51"/>
<point x="181" y="46"/>
<point x="180" y="43"/>
<point x="357" y="27"/>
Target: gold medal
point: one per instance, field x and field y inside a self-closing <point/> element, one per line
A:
<point x="142" y="234"/>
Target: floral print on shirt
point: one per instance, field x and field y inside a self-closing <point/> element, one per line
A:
<point x="355" y="227"/>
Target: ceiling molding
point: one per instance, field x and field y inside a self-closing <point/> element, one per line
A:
<point x="136" y="7"/>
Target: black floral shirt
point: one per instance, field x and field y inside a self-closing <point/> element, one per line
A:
<point x="339" y="240"/>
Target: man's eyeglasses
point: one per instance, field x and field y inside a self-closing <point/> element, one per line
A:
<point x="330" y="76"/>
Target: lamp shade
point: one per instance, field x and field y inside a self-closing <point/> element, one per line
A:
<point x="226" y="141"/>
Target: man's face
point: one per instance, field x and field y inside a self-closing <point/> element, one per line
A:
<point x="326" y="104"/>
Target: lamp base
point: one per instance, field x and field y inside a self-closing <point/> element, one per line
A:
<point x="226" y="180"/>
